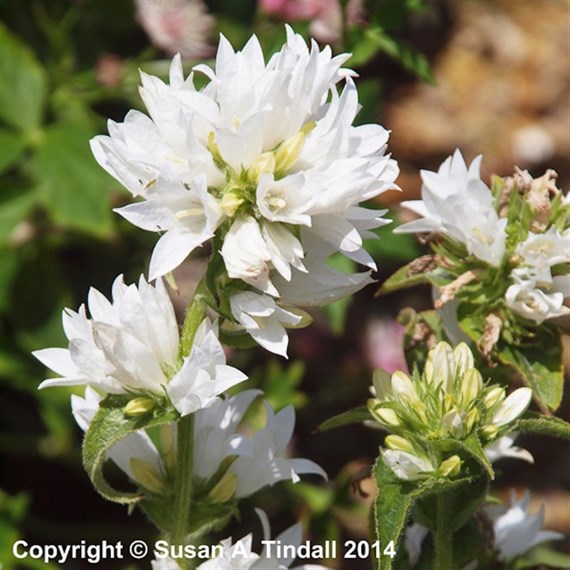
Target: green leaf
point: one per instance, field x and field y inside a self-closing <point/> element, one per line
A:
<point x="544" y="425"/>
<point x="418" y="272"/>
<point x="108" y="427"/>
<point x="471" y="446"/>
<point x="74" y="187"/>
<point x="539" y="365"/>
<point x="11" y="146"/>
<point x="15" y="205"/>
<point x="355" y="416"/>
<point x="22" y="83"/>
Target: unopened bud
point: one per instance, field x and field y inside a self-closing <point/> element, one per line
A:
<point x="398" y="443"/>
<point x="489" y="432"/>
<point x="403" y="387"/>
<point x="451" y="467"/>
<point x="288" y="152"/>
<point x="382" y="382"/>
<point x="146" y="475"/>
<point x="139" y="406"/>
<point x="224" y="489"/>
<point x="385" y="416"/>
<point x="471" y="385"/>
<point x="494" y="396"/>
<point x="264" y="164"/>
<point x="453" y="422"/>
<point x="472" y="418"/>
<point x="231" y="201"/>
<point x="463" y="359"/>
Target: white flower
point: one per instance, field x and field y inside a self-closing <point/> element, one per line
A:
<point x="215" y="433"/>
<point x="204" y="374"/>
<point x="504" y="447"/>
<point x="265" y="320"/>
<point x="517" y="531"/>
<point x="456" y="203"/>
<point x="514" y="405"/>
<point x="406" y="465"/>
<point x="263" y="148"/>
<point x="131" y="345"/>
<point x="239" y="556"/>
<point x="268" y="464"/>
<point x="177" y="26"/>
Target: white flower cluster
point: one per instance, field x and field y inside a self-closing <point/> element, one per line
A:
<point x="457" y="204"/>
<point x="257" y="461"/>
<point x="536" y="294"/>
<point x="131" y="345"/>
<point x="264" y="156"/>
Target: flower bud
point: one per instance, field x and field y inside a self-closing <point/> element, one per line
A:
<point x="451" y="467"/>
<point x="224" y="489"/>
<point x="463" y="359"/>
<point x="385" y="416"/>
<point x="288" y="152"/>
<point x="453" y="422"/>
<point x="139" y="406"/>
<point x="146" y="475"/>
<point x="230" y="203"/>
<point x="443" y="365"/>
<point x="472" y="418"/>
<point x="471" y="385"/>
<point x="494" y="396"/>
<point x="264" y="164"/>
<point x="396" y="443"/>
<point x="489" y="431"/>
<point x="382" y="382"/>
<point x="403" y="388"/>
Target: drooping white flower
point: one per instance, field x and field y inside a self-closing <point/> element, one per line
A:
<point x="263" y="148"/>
<point x="504" y="447"/>
<point x="263" y="318"/>
<point x="517" y="531"/>
<point x="268" y="463"/>
<point x="131" y="344"/>
<point x="407" y="466"/>
<point x="240" y="556"/>
<point x="456" y="203"/>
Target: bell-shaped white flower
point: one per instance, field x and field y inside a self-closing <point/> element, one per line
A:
<point x="268" y="463"/>
<point x="267" y="147"/>
<point x="266" y="321"/>
<point x="517" y="531"/>
<point x="131" y="344"/>
<point x="456" y="203"/>
<point x="504" y="447"/>
<point x="407" y="466"/>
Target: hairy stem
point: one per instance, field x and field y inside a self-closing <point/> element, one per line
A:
<point x="443" y="537"/>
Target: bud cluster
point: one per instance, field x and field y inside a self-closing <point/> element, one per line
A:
<point x="447" y="400"/>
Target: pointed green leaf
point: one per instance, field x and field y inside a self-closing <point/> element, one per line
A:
<point x="22" y="83"/>
<point x="418" y="272"/>
<point x="355" y="416"/>
<point x="108" y="427"/>
<point x="540" y="366"/>
<point x="544" y="425"/>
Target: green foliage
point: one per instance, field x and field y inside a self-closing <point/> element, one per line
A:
<point x="357" y="415"/>
<point x="22" y="84"/>
<point x="108" y="427"/>
<point x="543" y="425"/>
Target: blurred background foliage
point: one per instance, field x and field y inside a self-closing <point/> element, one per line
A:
<point x="68" y="65"/>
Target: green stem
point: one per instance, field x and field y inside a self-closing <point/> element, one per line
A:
<point x="443" y="535"/>
<point x="185" y="429"/>
<point x="194" y="316"/>
<point x="183" y="480"/>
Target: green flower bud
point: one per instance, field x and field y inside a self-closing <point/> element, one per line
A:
<point x="472" y="418"/>
<point x="494" y="396"/>
<point x="403" y="388"/>
<point x="398" y="443"/>
<point x="139" y="406"/>
<point x="489" y="432"/>
<point x="471" y="385"/>
<point x="463" y="359"/>
<point x="451" y="467"/>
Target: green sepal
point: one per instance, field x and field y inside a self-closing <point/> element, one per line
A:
<point x="543" y="425"/>
<point x="108" y="427"/>
<point x="237" y="340"/>
<point x="354" y="416"/>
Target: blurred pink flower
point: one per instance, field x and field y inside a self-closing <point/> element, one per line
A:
<point x="177" y="26"/>
<point x="326" y="15"/>
<point x="384" y="345"/>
